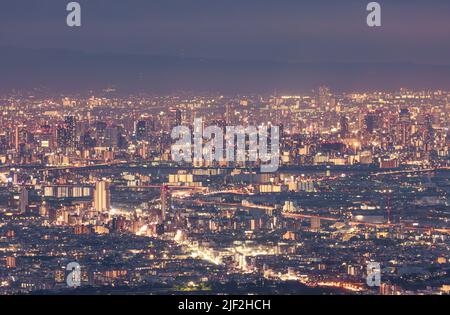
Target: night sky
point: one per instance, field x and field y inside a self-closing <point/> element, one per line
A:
<point x="254" y="36"/>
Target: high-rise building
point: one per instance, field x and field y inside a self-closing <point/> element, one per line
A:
<point x="23" y="200"/>
<point x="165" y="202"/>
<point x="43" y="210"/>
<point x="61" y="137"/>
<point x="429" y="132"/>
<point x="10" y="262"/>
<point x="371" y="122"/>
<point x="21" y="137"/>
<point x="315" y="224"/>
<point x="100" y="133"/>
<point x="112" y="136"/>
<point x="69" y="122"/>
<point x="325" y="99"/>
<point x="3" y="143"/>
<point x="344" y="126"/>
<point x="141" y="130"/>
<point x="66" y="134"/>
<point x="87" y="141"/>
<point x="175" y="117"/>
<point x="102" y="197"/>
<point x="405" y="125"/>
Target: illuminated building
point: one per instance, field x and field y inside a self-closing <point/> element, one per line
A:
<point x="10" y="262"/>
<point x="174" y="118"/>
<point x="23" y="200"/>
<point x="66" y="134"/>
<point x="315" y="224"/>
<point x="371" y="122"/>
<point x="405" y="125"/>
<point x="165" y="202"/>
<point x="21" y="137"/>
<point x="344" y="126"/>
<point x="141" y="130"/>
<point x="102" y="198"/>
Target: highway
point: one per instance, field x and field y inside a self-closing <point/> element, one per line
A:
<point x="425" y="170"/>
<point x="358" y="223"/>
<point x="300" y="216"/>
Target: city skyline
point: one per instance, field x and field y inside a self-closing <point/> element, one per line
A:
<point x="224" y="149"/>
<point x="362" y="180"/>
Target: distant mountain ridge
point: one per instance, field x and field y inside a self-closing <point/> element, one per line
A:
<point x="65" y="70"/>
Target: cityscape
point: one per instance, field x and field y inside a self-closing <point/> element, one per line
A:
<point x="224" y="155"/>
<point x="363" y="178"/>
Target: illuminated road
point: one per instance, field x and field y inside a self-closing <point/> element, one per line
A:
<point x="307" y="216"/>
<point x="425" y="170"/>
<point x="81" y="167"/>
<point x="172" y="187"/>
<point x="231" y="192"/>
<point x="357" y="223"/>
<point x="310" y="216"/>
<point x="225" y="204"/>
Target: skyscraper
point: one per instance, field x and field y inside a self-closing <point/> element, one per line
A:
<point x="3" y="143"/>
<point x="100" y="132"/>
<point x="21" y="137"/>
<point x="174" y="118"/>
<point x="315" y="224"/>
<point x="23" y="200"/>
<point x="61" y="138"/>
<point x="165" y="202"/>
<point x="405" y="125"/>
<point x="344" y="126"/>
<point x="324" y="97"/>
<point x="140" y="129"/>
<point x="371" y="122"/>
<point x="102" y="197"/>
<point x="66" y="134"/>
<point x="10" y="262"/>
<point x="69" y="123"/>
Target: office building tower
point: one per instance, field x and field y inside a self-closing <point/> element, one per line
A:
<point x="141" y="130"/>
<point x="315" y="224"/>
<point x="165" y="202"/>
<point x="23" y="200"/>
<point x="405" y="125"/>
<point x="102" y="197"/>
<point x="344" y="127"/>
<point x="69" y="123"/>
<point x="10" y="262"/>
<point x="371" y="122"/>
<point x="21" y="137"/>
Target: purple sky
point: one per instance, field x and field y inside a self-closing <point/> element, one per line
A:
<point x="225" y="45"/>
<point x="314" y="30"/>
